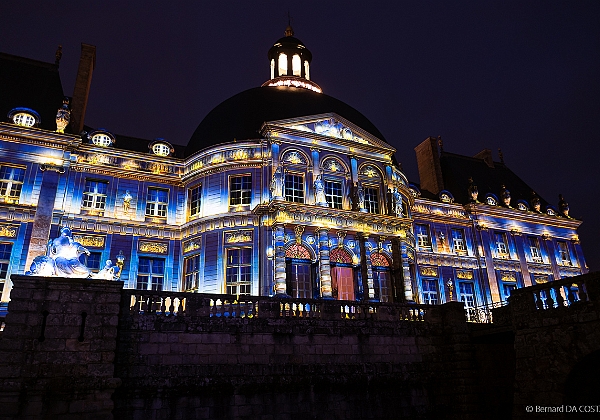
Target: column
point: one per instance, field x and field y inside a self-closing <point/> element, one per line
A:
<point x="324" y="266"/>
<point x="579" y="256"/>
<point x="408" y="287"/>
<point x="365" y="267"/>
<point x="280" y="275"/>
<point x="397" y="271"/>
<point x="40" y="232"/>
<point x="489" y="264"/>
<point x="518" y="238"/>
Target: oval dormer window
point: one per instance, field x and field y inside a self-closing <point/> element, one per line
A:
<point x="24" y="117"/>
<point x="161" y="149"/>
<point x="102" y="138"/>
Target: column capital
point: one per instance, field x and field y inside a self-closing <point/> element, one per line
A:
<point x="322" y="229"/>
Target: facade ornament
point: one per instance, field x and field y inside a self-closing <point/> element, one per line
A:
<point x="450" y="289"/>
<point x="320" y="198"/>
<point x="563" y="206"/>
<point x="535" y="202"/>
<point x="505" y="195"/>
<point x="127" y="201"/>
<point x="298" y="230"/>
<point x="473" y="192"/>
<point x="360" y="197"/>
<point x="63" y="116"/>
<point x="341" y="235"/>
<point x="277" y="184"/>
<point x="397" y="200"/>
<point x="120" y="263"/>
<point x="108" y="272"/>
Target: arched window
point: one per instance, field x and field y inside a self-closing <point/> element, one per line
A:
<point x="296" y="65"/>
<point x="272" y="68"/>
<point x="283" y="65"/>
<point x="342" y="274"/>
<point x="299" y="272"/>
<point x="306" y="70"/>
<point x="381" y="276"/>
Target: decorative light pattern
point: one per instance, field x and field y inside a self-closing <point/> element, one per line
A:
<point x="161" y="149"/>
<point x="297" y="251"/>
<point x="379" y="260"/>
<point x="24" y="119"/>
<point x="102" y="140"/>
<point x="340" y="255"/>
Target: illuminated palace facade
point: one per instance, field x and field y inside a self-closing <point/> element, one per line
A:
<point x="282" y="190"/>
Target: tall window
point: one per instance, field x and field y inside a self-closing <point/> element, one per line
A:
<point x="333" y="194"/>
<point x="191" y="267"/>
<point x="381" y="277"/>
<point x="282" y="64"/>
<point x="296" y="65"/>
<point x="195" y="195"/>
<point x="151" y="274"/>
<point x="534" y="249"/>
<point x="563" y="253"/>
<point x="11" y="182"/>
<point x="466" y="294"/>
<point x="157" y="201"/>
<point x="5" y="250"/>
<point x="458" y="241"/>
<point x="299" y="272"/>
<point x="501" y="245"/>
<point x="430" y="292"/>
<point x="94" y="195"/>
<point x="239" y="271"/>
<point x="92" y="261"/>
<point x="240" y="190"/>
<point x="423" y="237"/>
<point x="294" y="188"/>
<point x="372" y="200"/>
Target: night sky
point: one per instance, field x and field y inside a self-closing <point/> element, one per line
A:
<point x="523" y="76"/>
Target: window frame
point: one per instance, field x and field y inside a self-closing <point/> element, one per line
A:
<point x="195" y="202"/>
<point x="238" y="271"/>
<point x="245" y="197"/>
<point x="5" y="256"/>
<point x="562" y="253"/>
<point x="375" y="202"/>
<point x="94" y="196"/>
<point x="155" y="208"/>
<point x="151" y="275"/>
<point x="429" y="295"/>
<point x="330" y="197"/>
<point x="191" y="277"/>
<point x="534" y="244"/>
<point x="294" y="198"/>
<point x="455" y="241"/>
<point x="11" y="183"/>
<point x="418" y="236"/>
<point x="503" y="243"/>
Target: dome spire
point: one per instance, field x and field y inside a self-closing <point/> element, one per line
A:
<point x="289" y="31"/>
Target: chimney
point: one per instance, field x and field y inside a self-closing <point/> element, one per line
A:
<point x="486" y="155"/>
<point x="428" y="161"/>
<point x="81" y="92"/>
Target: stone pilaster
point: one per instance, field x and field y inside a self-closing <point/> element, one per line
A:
<point x="408" y="287"/>
<point x="397" y="271"/>
<point x="280" y="275"/>
<point x="366" y="267"/>
<point x="40" y="232"/>
<point x="519" y="245"/>
<point x="324" y="265"/>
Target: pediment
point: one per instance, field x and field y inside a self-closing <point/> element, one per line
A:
<point x="331" y="126"/>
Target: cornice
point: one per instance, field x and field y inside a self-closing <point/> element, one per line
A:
<point x="513" y="214"/>
<point x="37" y="136"/>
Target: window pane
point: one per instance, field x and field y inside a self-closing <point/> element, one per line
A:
<point x="372" y="200"/>
<point x="333" y="194"/>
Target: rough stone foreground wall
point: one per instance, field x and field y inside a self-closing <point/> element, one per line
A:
<point x="143" y="366"/>
<point x="293" y="368"/>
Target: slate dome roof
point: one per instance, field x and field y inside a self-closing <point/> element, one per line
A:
<point x="241" y="116"/>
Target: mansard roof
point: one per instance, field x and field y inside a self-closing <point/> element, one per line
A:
<point x="30" y="84"/>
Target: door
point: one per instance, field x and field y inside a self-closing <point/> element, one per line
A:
<point x="343" y="281"/>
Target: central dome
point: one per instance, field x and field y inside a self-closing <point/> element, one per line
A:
<point x="241" y="116"/>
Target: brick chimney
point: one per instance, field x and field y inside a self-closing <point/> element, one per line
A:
<point x="87" y="63"/>
<point x="486" y="155"/>
<point x="428" y="161"/>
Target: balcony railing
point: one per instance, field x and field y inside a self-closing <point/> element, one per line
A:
<point x="228" y="306"/>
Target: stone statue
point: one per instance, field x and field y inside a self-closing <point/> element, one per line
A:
<point x="360" y="197"/>
<point x="109" y="272"/>
<point x="62" y="260"/>
<point x="473" y="192"/>
<point x="397" y="202"/>
<point x="127" y="201"/>
<point x="505" y="194"/>
<point x="320" y="198"/>
<point x="563" y="206"/>
<point x="63" y="116"/>
<point x="535" y="202"/>
<point x="277" y="184"/>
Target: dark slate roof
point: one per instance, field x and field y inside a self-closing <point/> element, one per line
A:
<point x="457" y="169"/>
<point x="30" y="84"/>
<point x="241" y="116"/>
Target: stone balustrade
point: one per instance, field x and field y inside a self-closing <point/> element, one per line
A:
<point x="229" y="306"/>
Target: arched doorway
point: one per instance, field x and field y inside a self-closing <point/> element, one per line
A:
<point x="381" y="277"/>
<point x="342" y="274"/>
<point x="300" y="272"/>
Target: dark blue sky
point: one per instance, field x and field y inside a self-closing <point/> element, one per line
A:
<point x="522" y="76"/>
